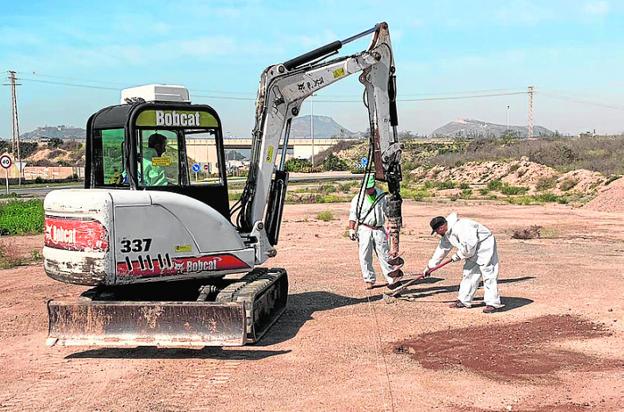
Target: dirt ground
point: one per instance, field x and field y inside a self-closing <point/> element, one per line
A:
<point x="556" y="346"/>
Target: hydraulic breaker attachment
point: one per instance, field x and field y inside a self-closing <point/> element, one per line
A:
<point x="130" y="324"/>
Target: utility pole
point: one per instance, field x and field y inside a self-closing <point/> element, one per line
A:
<point x="531" y="91"/>
<point x="15" y="143"/>
<point x="312" y="126"/>
<point x="507" y="130"/>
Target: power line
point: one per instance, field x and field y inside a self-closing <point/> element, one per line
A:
<point x="86" y="86"/>
<point x="580" y="101"/>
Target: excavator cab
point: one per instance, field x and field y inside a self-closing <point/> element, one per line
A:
<point x="160" y="145"/>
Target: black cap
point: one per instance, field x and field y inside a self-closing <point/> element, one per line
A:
<point x="436" y="222"/>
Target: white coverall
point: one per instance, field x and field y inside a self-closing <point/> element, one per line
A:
<point x="477" y="245"/>
<point x="372" y="236"/>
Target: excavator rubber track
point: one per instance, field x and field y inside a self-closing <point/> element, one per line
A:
<point x="264" y="293"/>
<point x="243" y="311"/>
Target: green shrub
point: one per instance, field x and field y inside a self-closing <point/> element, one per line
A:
<point x="18" y="217"/>
<point x="464" y="186"/>
<point x="333" y="162"/>
<point x="484" y="191"/>
<point x="447" y="184"/>
<point x="325" y="216"/>
<point x="466" y="194"/>
<point x="327" y="188"/>
<point x="495" y="184"/>
<point x="298" y="165"/>
<point x="513" y="190"/>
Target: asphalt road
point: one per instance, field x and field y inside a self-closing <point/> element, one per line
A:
<point x="294" y="178"/>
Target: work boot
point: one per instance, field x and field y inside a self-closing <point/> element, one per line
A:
<point x="489" y="309"/>
<point x="395" y="274"/>
<point x="457" y="305"/>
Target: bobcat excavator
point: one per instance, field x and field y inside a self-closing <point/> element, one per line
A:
<point x="170" y="262"/>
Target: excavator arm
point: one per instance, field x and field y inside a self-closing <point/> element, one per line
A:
<point x="282" y="90"/>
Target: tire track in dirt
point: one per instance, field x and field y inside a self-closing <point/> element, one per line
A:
<point x="201" y="387"/>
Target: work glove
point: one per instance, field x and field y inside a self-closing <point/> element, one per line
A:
<point x="455" y="258"/>
<point x="425" y="271"/>
<point x="352" y="234"/>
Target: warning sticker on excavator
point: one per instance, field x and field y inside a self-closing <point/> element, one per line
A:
<point x="269" y="156"/>
<point x="184" y="248"/>
<point x="338" y="73"/>
<point x="161" y="161"/>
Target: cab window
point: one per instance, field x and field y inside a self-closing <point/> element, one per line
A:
<point x="158" y="160"/>
<point x="109" y="157"/>
<point x="202" y="157"/>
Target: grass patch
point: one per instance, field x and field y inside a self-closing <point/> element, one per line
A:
<point x="325" y="216"/>
<point x="484" y="191"/>
<point x="466" y="194"/>
<point x="19" y="217"/>
<point x="538" y="199"/>
<point x="513" y="190"/>
<point x="417" y="194"/>
<point x="495" y="184"/>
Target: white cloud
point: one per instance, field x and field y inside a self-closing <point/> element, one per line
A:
<point x="597" y="8"/>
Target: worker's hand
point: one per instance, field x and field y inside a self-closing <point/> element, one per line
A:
<point x="425" y="271"/>
<point x="455" y="258"/>
<point x="352" y="234"/>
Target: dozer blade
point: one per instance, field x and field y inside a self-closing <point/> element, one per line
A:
<point x="165" y="324"/>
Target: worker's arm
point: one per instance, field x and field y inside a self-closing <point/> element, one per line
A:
<point x="444" y="247"/>
<point x="353" y="220"/>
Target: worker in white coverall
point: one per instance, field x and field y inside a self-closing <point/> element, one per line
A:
<point x="476" y="245"/>
<point x="367" y="227"/>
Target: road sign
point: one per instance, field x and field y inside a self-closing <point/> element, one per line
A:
<point x="207" y="167"/>
<point x="196" y="167"/>
<point x="364" y="161"/>
<point x="5" y="161"/>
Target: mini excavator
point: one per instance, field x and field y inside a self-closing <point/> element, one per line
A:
<point x="169" y="261"/>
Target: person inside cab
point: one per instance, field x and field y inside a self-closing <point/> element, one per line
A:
<point x="154" y="174"/>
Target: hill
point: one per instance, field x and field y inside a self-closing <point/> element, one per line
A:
<point x="61" y="132"/>
<point x="324" y="128"/>
<point x="470" y="128"/>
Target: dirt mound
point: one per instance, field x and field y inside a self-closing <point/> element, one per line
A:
<point x="534" y="176"/>
<point x="512" y="351"/>
<point x="582" y="181"/>
<point x="518" y="172"/>
<point x="610" y="198"/>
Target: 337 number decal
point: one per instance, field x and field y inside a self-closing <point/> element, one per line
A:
<point x="135" y="245"/>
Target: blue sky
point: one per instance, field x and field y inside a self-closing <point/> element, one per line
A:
<point x="571" y="51"/>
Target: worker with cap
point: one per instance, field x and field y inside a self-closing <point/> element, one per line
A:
<point x="366" y="224"/>
<point x="153" y="174"/>
<point x="475" y="245"/>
